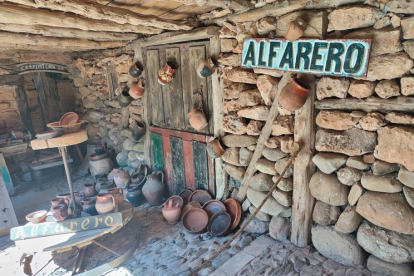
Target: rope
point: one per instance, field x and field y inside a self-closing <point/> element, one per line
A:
<point x="295" y="151"/>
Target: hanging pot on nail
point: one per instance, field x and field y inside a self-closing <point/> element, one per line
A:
<point x="166" y="75"/>
<point x="296" y="29"/>
<point x="124" y="98"/>
<point x="136" y="69"/>
<point x="197" y="119"/>
<point x="215" y="148"/>
<point x="294" y="95"/>
<point x="206" y="68"/>
<point x="137" y="89"/>
<point x="138" y="132"/>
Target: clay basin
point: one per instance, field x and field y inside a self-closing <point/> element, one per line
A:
<point x="200" y="196"/>
<point x="175" y="199"/>
<point x="195" y="220"/>
<point x="219" y="224"/>
<point x="185" y="194"/>
<point x="69" y="119"/>
<point x="189" y="206"/>
<point x="234" y="209"/>
<point x="37" y="217"/>
<point x="213" y="207"/>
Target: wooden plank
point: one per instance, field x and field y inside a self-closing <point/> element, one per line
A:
<point x="165" y="90"/>
<point x="185" y="69"/>
<point x="49" y="165"/>
<point x="124" y="118"/>
<point x="304" y="168"/>
<point x="211" y="175"/>
<point x="157" y="152"/>
<point x="200" y="166"/>
<point x="177" y="164"/>
<point x="184" y="135"/>
<point x="154" y="88"/>
<point x="176" y="91"/>
<point x="37" y="78"/>
<point x="7" y="217"/>
<point x="66" y="226"/>
<point x="188" y="165"/>
<point x="112" y="80"/>
<point x="264" y="135"/>
<point x="52" y="97"/>
<point x="10" y="79"/>
<point x="402" y="104"/>
<point x="65" y="140"/>
<point x="168" y="167"/>
<point x="21" y="101"/>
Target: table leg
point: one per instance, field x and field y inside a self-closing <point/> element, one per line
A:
<point x="63" y="152"/>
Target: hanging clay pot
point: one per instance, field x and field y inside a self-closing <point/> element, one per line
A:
<point x="166" y="75"/>
<point x="137" y="89"/>
<point x="197" y="119"/>
<point x="136" y="69"/>
<point x="295" y="29"/>
<point x="171" y="212"/>
<point x="105" y="203"/>
<point x="215" y="148"/>
<point x="138" y="132"/>
<point x="206" y="68"/>
<point x="121" y="178"/>
<point x="293" y="96"/>
<point x="124" y="98"/>
<point x="153" y="189"/>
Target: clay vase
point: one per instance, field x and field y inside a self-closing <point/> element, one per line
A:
<point x="124" y="98"/>
<point x="153" y="189"/>
<point x="134" y="195"/>
<point x="121" y="178"/>
<point x="138" y="132"/>
<point x="79" y="196"/>
<point x="60" y="212"/>
<point x="137" y="89"/>
<point x="197" y="119"/>
<point x="88" y="206"/>
<point x="89" y="189"/>
<point x="295" y="29"/>
<point x="57" y="201"/>
<point x="206" y="68"/>
<point x="215" y="148"/>
<point x="118" y="193"/>
<point x="136" y="69"/>
<point x="293" y="96"/>
<point x="105" y="203"/>
<point x="171" y="212"/>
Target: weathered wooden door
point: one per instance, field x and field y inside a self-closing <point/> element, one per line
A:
<point x="178" y="149"/>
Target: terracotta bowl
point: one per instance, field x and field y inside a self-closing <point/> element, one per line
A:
<point x="185" y="194"/>
<point x="175" y="199"/>
<point x="219" y="224"/>
<point x="234" y="209"/>
<point x="200" y="196"/>
<point x="213" y="207"/>
<point x="69" y="119"/>
<point x="189" y="206"/>
<point x="195" y="220"/>
<point x="37" y="217"/>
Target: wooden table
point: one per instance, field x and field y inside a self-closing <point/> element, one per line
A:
<point x="62" y="142"/>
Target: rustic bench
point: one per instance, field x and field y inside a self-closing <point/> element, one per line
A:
<point x="36" y="169"/>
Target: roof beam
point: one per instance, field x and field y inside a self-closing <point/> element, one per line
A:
<point x="236" y="5"/>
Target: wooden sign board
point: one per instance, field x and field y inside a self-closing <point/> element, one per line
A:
<point x="338" y="57"/>
<point x="65" y="226"/>
<point x="29" y="67"/>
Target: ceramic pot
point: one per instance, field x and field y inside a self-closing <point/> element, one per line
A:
<point x="121" y="178"/>
<point x="106" y="186"/>
<point x="293" y="96"/>
<point x="171" y="212"/>
<point x="66" y="196"/>
<point x="134" y="195"/>
<point x="166" y="75"/>
<point x="69" y="118"/>
<point x="105" y="203"/>
<point x="136" y="69"/>
<point x="118" y="193"/>
<point x="137" y="89"/>
<point x="206" y="68"/>
<point x="295" y="29"/>
<point x="99" y="149"/>
<point x="89" y="189"/>
<point x="197" y="119"/>
<point x="101" y="166"/>
<point x="60" y="212"/>
<point x="124" y="98"/>
<point x="138" y="178"/>
<point x="138" y="132"/>
<point x="79" y="196"/>
<point x="153" y="189"/>
<point x="88" y="206"/>
<point x="215" y="148"/>
<point x="57" y="201"/>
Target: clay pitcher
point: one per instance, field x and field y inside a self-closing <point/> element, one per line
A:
<point x="121" y="178"/>
<point x="105" y="203"/>
<point x="197" y="119"/>
<point x="137" y="89"/>
<point x="60" y="212"/>
<point x="118" y="193"/>
<point x="294" y="95"/>
<point x="171" y="213"/>
<point x="66" y="196"/>
<point x="88" y="206"/>
<point x="153" y="189"/>
<point x="89" y="189"/>
<point x="57" y="201"/>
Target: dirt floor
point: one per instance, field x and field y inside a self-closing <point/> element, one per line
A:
<point x="165" y="249"/>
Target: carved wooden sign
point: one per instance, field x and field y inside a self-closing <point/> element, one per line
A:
<point x="65" y="226"/>
<point x="29" y="67"/>
<point x="340" y="57"/>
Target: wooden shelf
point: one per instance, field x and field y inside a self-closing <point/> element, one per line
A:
<point x="65" y="140"/>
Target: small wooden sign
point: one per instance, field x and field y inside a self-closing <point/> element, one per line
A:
<point x="65" y="226"/>
<point x="28" y="67"/>
<point x="340" y="57"/>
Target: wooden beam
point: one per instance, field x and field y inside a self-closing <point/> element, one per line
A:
<point x="21" y="101"/>
<point x="236" y="5"/>
<point x="10" y="79"/>
<point x="175" y="37"/>
<point x="303" y="201"/>
<point x="11" y="14"/>
<point x="402" y="104"/>
<point x="103" y="12"/>
<point x="264" y="135"/>
<point x="68" y="33"/>
<point x="37" y="42"/>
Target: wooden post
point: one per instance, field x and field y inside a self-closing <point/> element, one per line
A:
<point x="304" y="168"/>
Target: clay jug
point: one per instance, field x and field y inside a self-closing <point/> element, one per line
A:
<point x="121" y="178"/>
<point x="88" y="189"/>
<point x="293" y="96"/>
<point x="215" y="148"/>
<point x="60" y="212"/>
<point x="57" y="201"/>
<point x="118" y="193"/>
<point x="134" y="195"/>
<point x="171" y="212"/>
<point x="153" y="189"/>
<point x="124" y="98"/>
<point x="88" y="206"/>
<point x="105" y="203"/>
<point x="197" y="119"/>
<point x="66" y="196"/>
<point x="295" y="29"/>
<point x="138" y="132"/>
<point x="137" y="89"/>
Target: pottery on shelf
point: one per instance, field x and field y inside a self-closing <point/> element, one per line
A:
<point x="121" y="178"/>
<point x="118" y="193"/>
<point x="89" y="189"/>
<point x="137" y="89"/>
<point x="88" y="206"/>
<point x="295" y="29"/>
<point x="294" y="95"/>
<point x="69" y="118"/>
<point x="136" y="69"/>
<point x="138" y="132"/>
<point x="166" y="75"/>
<point x="124" y="98"/>
<point x="197" y="119"/>
<point x="37" y="217"/>
<point x="215" y="148"/>
<point x="60" y="212"/>
<point x="171" y="211"/>
<point x="206" y="68"/>
<point x="134" y="195"/>
<point x="153" y="189"/>
<point x="105" y="203"/>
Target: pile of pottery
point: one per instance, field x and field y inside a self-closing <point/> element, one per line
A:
<point x="199" y="212"/>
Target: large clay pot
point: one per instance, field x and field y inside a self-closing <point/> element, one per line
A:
<point x="293" y="96"/>
<point x="137" y="89"/>
<point x="171" y="212"/>
<point x="121" y="178"/>
<point x="135" y="195"/>
<point x="206" y="68"/>
<point x="101" y="166"/>
<point x="124" y="98"/>
<point x="105" y="203"/>
<point x="60" y="212"/>
<point x="118" y="193"/>
<point x="89" y="189"/>
<point x="295" y="29"/>
<point x="88" y="206"/>
<point x="215" y="148"/>
<point x="153" y="189"/>
<point x="138" y="132"/>
<point x="197" y="119"/>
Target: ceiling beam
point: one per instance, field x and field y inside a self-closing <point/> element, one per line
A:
<point x="236" y="5"/>
<point x="12" y="14"/>
<point x="102" y="12"/>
